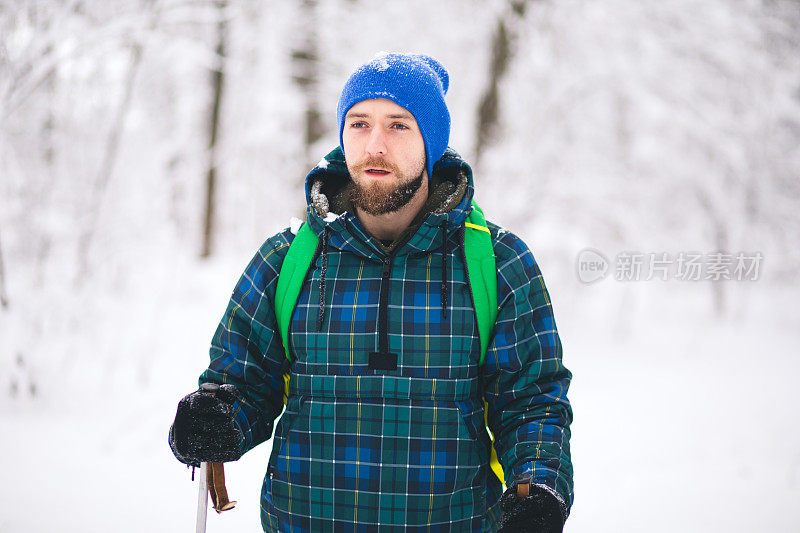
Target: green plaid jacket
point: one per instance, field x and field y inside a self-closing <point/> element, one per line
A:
<point x="363" y="445"/>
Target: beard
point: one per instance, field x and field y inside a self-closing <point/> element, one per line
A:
<point x="378" y="198"/>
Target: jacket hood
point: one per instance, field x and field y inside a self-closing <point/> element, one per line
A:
<point x="328" y="188"/>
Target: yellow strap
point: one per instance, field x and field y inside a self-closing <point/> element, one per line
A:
<point x="494" y="462"/>
<point x="475" y="226"/>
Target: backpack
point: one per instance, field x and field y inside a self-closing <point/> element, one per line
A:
<point x="481" y="273"/>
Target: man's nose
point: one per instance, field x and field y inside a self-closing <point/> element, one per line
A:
<point x="377" y="142"/>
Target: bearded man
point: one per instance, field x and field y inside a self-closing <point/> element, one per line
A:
<point x="385" y="387"/>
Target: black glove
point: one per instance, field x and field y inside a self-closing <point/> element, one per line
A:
<point x="204" y="429"/>
<point x="539" y="512"/>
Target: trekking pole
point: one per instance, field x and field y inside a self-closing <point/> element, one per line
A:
<point x="212" y="480"/>
<point x="202" y="499"/>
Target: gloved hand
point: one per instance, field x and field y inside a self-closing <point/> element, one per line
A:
<point x="204" y="429"/>
<point x="539" y="512"/>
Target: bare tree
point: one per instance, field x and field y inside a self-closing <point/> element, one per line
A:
<point x="305" y="64"/>
<point x="3" y="293"/>
<point x="107" y="164"/>
<point x="98" y="191"/>
<point x="501" y="57"/>
<point x="217" y="83"/>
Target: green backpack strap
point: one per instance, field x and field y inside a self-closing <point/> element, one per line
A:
<point x="290" y="279"/>
<point x="482" y="274"/>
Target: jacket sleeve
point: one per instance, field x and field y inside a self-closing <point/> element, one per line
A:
<point x="525" y="382"/>
<point x="247" y="351"/>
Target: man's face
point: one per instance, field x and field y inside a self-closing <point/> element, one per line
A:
<point x="385" y="154"/>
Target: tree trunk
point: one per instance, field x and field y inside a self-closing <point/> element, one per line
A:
<point x="45" y="192"/>
<point x="305" y="66"/>
<point x="3" y="293"/>
<point x="720" y="234"/>
<point x="217" y="83"/>
<point x="502" y="54"/>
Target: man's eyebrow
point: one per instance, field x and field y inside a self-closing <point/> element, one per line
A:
<point x="406" y="116"/>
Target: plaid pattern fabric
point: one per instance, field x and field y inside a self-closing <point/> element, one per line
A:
<point x="359" y="449"/>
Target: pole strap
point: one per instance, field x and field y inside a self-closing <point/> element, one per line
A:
<point x="216" y="486"/>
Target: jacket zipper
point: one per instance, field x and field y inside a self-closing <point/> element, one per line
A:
<point x="383" y="301"/>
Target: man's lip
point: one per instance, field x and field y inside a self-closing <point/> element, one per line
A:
<point x="377" y="171"/>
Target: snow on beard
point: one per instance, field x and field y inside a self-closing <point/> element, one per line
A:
<point x="380" y="198"/>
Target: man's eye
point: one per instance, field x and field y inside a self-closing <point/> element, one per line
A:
<point x="358" y="125"/>
<point x="399" y="126"/>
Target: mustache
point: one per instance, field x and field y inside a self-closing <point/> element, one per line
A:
<point x="375" y="162"/>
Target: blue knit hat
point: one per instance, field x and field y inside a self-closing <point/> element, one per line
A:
<point x="415" y="82"/>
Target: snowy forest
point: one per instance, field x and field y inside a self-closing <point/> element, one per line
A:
<point x="149" y="147"/>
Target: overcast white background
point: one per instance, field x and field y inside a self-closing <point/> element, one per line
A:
<point x="648" y="127"/>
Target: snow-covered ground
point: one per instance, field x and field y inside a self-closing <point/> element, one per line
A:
<point x="682" y="422"/>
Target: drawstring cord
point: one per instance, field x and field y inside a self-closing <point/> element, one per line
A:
<point x="325" y="241"/>
<point x="325" y="244"/>
<point x="444" y="269"/>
